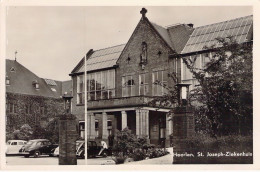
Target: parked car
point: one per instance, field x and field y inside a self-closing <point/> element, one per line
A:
<point x="93" y="150"/>
<point x="13" y="146"/>
<point x="37" y="147"/>
<point x="56" y="151"/>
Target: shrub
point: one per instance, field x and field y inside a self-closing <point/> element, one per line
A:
<point x="119" y="158"/>
<point x="24" y="133"/>
<point x="204" y="144"/>
<point x="138" y="154"/>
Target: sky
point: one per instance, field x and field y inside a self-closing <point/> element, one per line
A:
<point x="51" y="41"/>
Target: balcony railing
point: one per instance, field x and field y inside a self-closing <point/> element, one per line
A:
<point x="135" y="101"/>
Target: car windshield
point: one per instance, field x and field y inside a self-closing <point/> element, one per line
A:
<point x="8" y="143"/>
<point x="78" y="144"/>
<point x="31" y="143"/>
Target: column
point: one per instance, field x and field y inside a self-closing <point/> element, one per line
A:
<point x="124" y="119"/>
<point x="92" y="126"/>
<point x="104" y="126"/>
<point x="168" y="129"/>
<point x="147" y="123"/>
<point x="137" y="122"/>
<point x="88" y="125"/>
<point x="142" y="122"/>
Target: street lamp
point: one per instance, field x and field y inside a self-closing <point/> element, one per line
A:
<point x="183" y="91"/>
<point x="67" y="102"/>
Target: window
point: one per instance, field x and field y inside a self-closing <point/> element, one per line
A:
<point x="11" y="107"/>
<point x="12" y="69"/>
<point x="14" y="143"/>
<point x="42" y="110"/>
<point x="109" y="127"/>
<point x="82" y="129"/>
<point x="205" y="59"/>
<point x="28" y="109"/>
<point x="15" y="108"/>
<point x="143" y="84"/>
<point x="161" y="77"/>
<point x="101" y="85"/>
<point x="39" y="143"/>
<point x="53" y="89"/>
<point x="80" y="89"/>
<point x="97" y="128"/>
<point x="35" y="84"/>
<point x="20" y="143"/>
<point x="128" y="86"/>
<point x="7" y="80"/>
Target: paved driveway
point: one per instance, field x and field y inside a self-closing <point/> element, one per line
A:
<point x="43" y="160"/>
<point x="46" y="160"/>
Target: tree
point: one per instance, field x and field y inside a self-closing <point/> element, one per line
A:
<point x="52" y="130"/>
<point x="24" y="133"/>
<point x="225" y="91"/>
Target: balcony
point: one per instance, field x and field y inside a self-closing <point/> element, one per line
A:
<point x="135" y="101"/>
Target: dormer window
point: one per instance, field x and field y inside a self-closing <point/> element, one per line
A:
<point x="7" y="80"/>
<point x="12" y="69"/>
<point x="53" y="89"/>
<point x="36" y="85"/>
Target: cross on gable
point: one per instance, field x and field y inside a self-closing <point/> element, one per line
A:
<point x="143" y="12"/>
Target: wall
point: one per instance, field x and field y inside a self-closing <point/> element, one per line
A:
<point x="133" y="49"/>
<point x="52" y="107"/>
<point x="77" y="109"/>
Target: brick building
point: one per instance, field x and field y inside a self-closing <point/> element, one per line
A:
<point x="120" y="79"/>
<point x="240" y="29"/>
<point x="120" y="83"/>
<point x="30" y="99"/>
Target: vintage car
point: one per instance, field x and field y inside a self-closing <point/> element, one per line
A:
<point x="37" y="147"/>
<point x="93" y="150"/>
<point x="56" y="151"/>
<point x="13" y="146"/>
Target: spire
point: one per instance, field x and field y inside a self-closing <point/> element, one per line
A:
<point x="143" y="12"/>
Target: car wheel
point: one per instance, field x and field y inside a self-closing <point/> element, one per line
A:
<point x="51" y="155"/>
<point x="82" y="155"/>
<point x="37" y="154"/>
<point x="104" y="154"/>
<point x="26" y="156"/>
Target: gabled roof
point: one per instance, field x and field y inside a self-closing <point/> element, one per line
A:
<point x="164" y="34"/>
<point x="240" y="29"/>
<point x="22" y="79"/>
<point x="66" y="87"/>
<point x="100" y="59"/>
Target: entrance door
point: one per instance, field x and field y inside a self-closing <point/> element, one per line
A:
<point x="162" y="129"/>
<point x="157" y="128"/>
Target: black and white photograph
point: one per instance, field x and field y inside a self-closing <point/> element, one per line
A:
<point x="128" y="85"/>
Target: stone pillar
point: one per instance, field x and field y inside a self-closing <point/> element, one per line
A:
<point x="67" y="140"/>
<point x="183" y="127"/>
<point x="92" y="126"/>
<point x="124" y="119"/>
<point x="137" y="122"/>
<point x="104" y="126"/>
